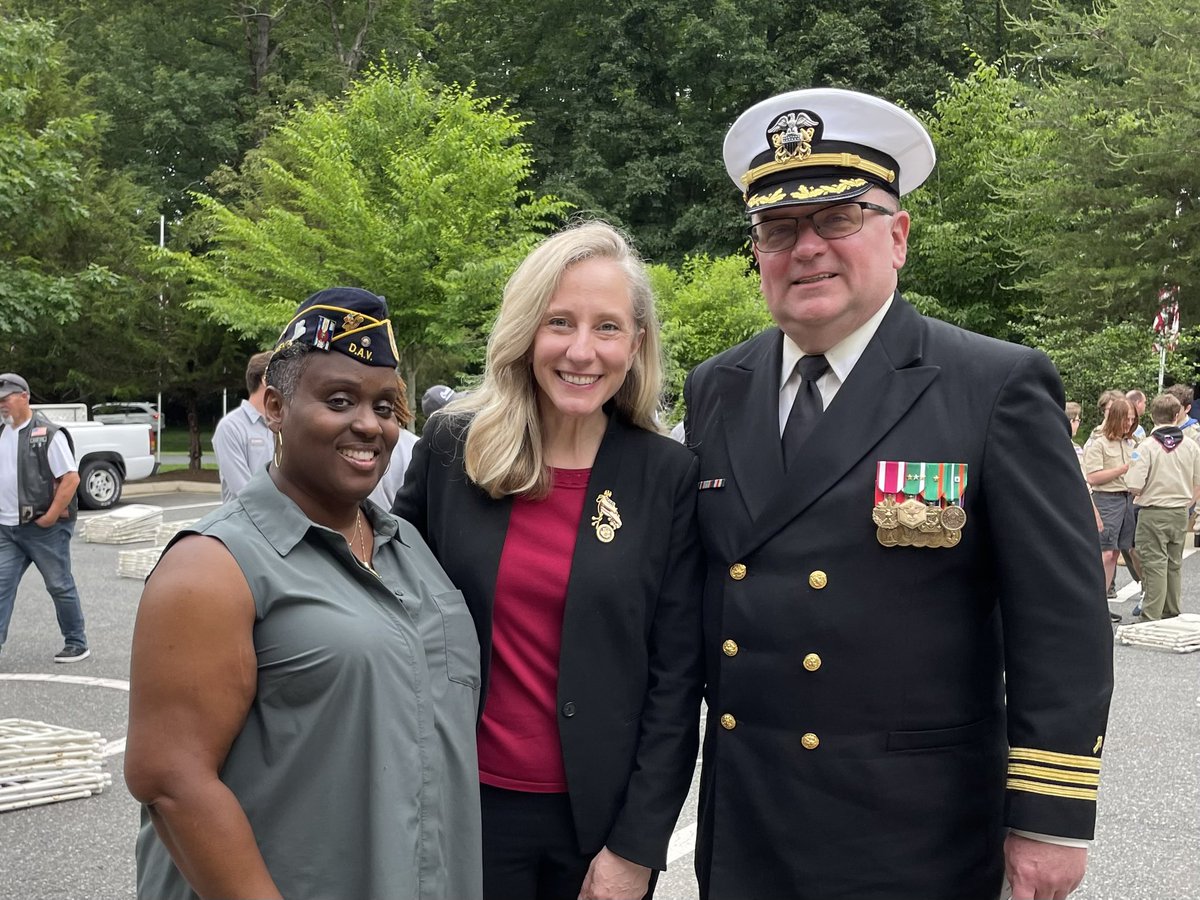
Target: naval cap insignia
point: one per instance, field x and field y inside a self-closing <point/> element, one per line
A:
<point x="792" y="135"/>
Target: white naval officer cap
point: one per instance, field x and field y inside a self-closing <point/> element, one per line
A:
<point x="821" y="145"/>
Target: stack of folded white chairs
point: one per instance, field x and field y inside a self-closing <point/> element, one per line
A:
<point x="127" y="525"/>
<point x="168" y="530"/>
<point x="138" y="563"/>
<point x="1180" y="634"/>
<point x="41" y="764"/>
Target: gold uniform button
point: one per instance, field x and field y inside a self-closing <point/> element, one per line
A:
<point x="817" y="580"/>
<point x="737" y="571"/>
<point x="812" y="662"/>
<point x="730" y="648"/>
<point x="728" y="722"/>
<point x="810" y="741"/>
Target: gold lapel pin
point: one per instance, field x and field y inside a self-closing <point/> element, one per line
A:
<point x="606" y="509"/>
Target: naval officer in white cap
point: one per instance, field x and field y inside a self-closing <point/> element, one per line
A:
<point x="908" y="648"/>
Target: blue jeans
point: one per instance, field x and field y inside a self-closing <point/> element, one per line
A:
<point x="50" y="550"/>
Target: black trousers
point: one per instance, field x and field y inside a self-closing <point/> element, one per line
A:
<point x="530" y="851"/>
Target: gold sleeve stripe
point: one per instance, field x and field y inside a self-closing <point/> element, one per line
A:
<point x="1054" y="774"/>
<point x="1052" y="790"/>
<point x="1049" y="757"/>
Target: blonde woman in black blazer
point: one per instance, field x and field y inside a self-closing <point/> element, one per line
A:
<point x="570" y="390"/>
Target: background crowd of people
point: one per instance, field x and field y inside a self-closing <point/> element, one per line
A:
<point x="1144" y="489"/>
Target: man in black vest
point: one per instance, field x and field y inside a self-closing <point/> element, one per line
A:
<point x="38" y="479"/>
<point x="909" y="660"/>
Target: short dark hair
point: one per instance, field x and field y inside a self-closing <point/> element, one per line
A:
<point x="256" y="371"/>
<point x="286" y="366"/>
<point x="1182" y="393"/>
<point x="1165" y="409"/>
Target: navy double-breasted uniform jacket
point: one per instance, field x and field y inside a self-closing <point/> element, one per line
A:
<point x="879" y="716"/>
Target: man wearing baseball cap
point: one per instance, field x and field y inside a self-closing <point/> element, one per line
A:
<point x="38" y="479"/>
<point x="909" y="657"/>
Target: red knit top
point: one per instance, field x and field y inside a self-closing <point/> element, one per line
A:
<point x="519" y="746"/>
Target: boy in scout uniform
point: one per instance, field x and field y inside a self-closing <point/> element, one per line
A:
<point x="909" y="657"/>
<point x="1165" y="479"/>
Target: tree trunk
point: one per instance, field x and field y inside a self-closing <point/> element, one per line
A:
<point x="194" y="450"/>
<point x="258" y="22"/>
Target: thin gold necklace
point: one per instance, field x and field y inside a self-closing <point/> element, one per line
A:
<point x="363" y="560"/>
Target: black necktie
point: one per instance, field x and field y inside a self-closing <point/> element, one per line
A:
<point x="807" y="406"/>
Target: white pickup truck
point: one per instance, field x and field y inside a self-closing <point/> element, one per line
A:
<point x="108" y="455"/>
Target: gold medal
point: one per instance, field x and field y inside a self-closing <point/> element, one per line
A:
<point x="953" y="518"/>
<point x="889" y="537"/>
<point x="950" y="538"/>
<point x="911" y="513"/>
<point x="933" y="521"/>
<point x="884" y="513"/>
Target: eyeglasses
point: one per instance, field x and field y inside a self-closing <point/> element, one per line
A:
<point x="830" y="223"/>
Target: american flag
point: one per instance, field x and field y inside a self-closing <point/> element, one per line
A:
<point x="1166" y="321"/>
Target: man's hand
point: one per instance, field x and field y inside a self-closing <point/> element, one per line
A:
<point x="45" y="520"/>
<point x="1041" y="871"/>
<point x="610" y="877"/>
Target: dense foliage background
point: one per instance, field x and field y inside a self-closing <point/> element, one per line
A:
<point x="418" y="147"/>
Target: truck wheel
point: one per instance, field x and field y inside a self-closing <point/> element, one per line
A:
<point x="99" y="485"/>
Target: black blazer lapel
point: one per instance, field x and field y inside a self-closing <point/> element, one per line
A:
<point x="884" y="384"/>
<point x="749" y="396"/>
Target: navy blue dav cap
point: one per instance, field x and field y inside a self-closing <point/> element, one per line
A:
<point x="349" y="320"/>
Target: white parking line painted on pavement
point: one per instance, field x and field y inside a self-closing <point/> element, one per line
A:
<point x="111" y="748"/>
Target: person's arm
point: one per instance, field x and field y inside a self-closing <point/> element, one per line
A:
<point x="62" y="465"/>
<point x="1093" y="462"/>
<point x="233" y="456"/>
<point x="1139" y="472"/>
<point x="669" y="738"/>
<point x="1056" y="629"/>
<point x="193" y="674"/>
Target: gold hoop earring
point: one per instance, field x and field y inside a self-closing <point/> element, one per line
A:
<point x="277" y="456"/>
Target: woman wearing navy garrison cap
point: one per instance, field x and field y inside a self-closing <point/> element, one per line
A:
<point x="304" y="675"/>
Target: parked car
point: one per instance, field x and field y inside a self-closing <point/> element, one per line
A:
<point x="135" y="413"/>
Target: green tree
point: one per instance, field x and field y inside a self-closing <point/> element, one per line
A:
<point x="628" y="101"/>
<point x="400" y="187"/>
<point x="60" y="213"/>
<point x="963" y="250"/>
<point x="1114" y="182"/>
<point x="706" y="306"/>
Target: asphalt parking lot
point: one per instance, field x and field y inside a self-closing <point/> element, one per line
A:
<point x="1147" y="846"/>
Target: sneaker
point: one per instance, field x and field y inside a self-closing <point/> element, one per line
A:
<point x="1112" y="592"/>
<point x="1116" y="617"/>
<point x="70" y="654"/>
<point x="1137" y="610"/>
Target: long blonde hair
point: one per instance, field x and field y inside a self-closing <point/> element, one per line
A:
<point x="504" y="453"/>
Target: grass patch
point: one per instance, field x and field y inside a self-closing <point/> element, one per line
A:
<point x="167" y="467"/>
<point x="175" y="440"/>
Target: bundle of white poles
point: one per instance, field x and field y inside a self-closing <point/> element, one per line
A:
<point x="42" y="764"/>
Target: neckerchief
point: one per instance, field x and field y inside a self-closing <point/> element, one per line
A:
<point x="1170" y="437"/>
